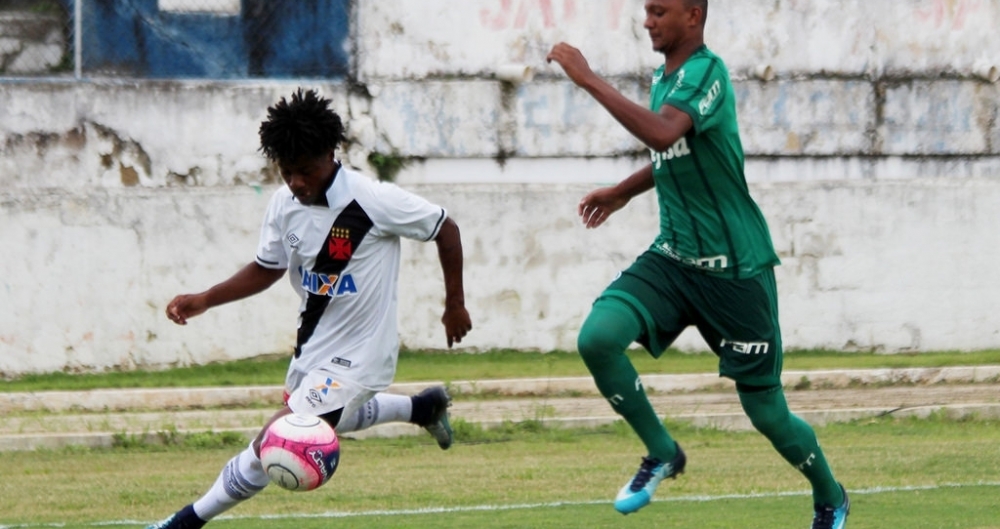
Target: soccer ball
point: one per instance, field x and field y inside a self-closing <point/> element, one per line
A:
<point x="300" y="452"/>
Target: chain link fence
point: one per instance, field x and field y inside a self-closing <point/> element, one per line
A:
<point x="36" y="38"/>
<point x="207" y="39"/>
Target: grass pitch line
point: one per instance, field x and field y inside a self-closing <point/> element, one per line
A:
<point x="523" y="506"/>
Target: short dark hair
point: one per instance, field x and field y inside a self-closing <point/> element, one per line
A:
<point x="304" y="126"/>
<point x="703" y="4"/>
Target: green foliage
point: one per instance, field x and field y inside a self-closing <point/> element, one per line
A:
<point x="41" y="7"/>
<point x="386" y="165"/>
<point x="171" y="439"/>
<point x="47" y="7"/>
<point x="64" y="65"/>
<point x="126" y="441"/>
<point x="216" y="440"/>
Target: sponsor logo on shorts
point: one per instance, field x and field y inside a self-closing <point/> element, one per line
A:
<point x="317" y="393"/>
<point x="746" y="348"/>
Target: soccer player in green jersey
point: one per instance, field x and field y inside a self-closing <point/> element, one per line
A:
<point x="711" y="265"/>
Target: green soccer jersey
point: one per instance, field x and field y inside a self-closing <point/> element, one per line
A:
<point x="707" y="218"/>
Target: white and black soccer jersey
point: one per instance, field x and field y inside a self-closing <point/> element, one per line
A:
<point x="343" y="261"/>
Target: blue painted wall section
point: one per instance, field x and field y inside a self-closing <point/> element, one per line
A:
<point x="268" y="39"/>
<point x="301" y="38"/>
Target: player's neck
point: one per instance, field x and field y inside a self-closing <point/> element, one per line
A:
<point x="676" y="56"/>
<point x="322" y="200"/>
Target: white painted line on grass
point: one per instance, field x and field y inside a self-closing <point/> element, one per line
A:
<point x="524" y="506"/>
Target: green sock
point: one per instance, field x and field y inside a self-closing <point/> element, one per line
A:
<point x="793" y="438"/>
<point x="607" y="332"/>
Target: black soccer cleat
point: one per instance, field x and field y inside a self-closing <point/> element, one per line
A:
<point x="182" y="519"/>
<point x="437" y="400"/>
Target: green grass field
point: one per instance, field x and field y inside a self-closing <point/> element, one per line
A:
<point x="430" y="365"/>
<point x="931" y="474"/>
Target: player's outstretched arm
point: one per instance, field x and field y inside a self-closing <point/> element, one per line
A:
<point x="456" y="320"/>
<point x="249" y="280"/>
<point x="598" y="205"/>
<point x="658" y="130"/>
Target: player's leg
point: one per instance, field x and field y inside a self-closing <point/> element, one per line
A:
<point x="610" y="328"/>
<point x="606" y="333"/>
<point x="313" y="393"/>
<point x="428" y="409"/>
<point x="796" y="441"/>
<point x="739" y="320"/>
<point x="623" y="315"/>
<point x="323" y="390"/>
<point x="241" y="478"/>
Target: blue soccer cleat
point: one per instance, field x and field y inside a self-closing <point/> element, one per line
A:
<point x="638" y="492"/>
<point x="829" y="517"/>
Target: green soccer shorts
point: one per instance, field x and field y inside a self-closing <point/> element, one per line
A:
<point x="738" y="318"/>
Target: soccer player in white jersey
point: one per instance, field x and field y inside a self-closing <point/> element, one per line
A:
<point x="337" y="234"/>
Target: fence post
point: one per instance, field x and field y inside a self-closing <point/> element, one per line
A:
<point x="77" y="39"/>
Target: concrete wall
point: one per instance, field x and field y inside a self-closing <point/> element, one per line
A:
<point x="874" y="152"/>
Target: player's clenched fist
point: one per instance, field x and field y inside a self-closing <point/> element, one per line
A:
<point x="186" y="306"/>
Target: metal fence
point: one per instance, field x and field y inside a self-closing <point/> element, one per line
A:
<point x="209" y="39"/>
<point x="36" y="38"/>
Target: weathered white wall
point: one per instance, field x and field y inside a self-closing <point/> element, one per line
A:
<point x="874" y="153"/>
<point x="886" y="266"/>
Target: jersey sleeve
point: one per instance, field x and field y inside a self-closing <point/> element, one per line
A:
<point x="701" y="92"/>
<point x="271" y="247"/>
<point x="406" y="214"/>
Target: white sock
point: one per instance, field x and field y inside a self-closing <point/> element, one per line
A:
<point x="382" y="408"/>
<point x="241" y="478"/>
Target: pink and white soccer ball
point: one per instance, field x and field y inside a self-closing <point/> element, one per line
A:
<point x="300" y="452"/>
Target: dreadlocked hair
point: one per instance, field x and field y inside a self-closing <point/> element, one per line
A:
<point x="302" y="127"/>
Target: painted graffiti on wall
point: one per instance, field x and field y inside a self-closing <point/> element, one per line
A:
<point x="949" y="14"/>
<point x="517" y="14"/>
